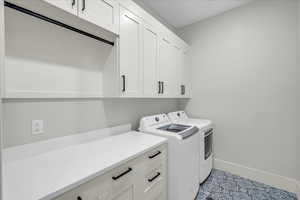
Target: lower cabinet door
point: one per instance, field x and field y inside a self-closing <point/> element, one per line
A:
<point x="128" y="194"/>
<point x="96" y="189"/>
<point x="161" y="196"/>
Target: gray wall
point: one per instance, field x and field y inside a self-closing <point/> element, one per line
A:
<point x="65" y="117"/>
<point x="246" y="79"/>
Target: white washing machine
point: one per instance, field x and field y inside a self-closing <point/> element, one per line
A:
<point x="206" y="140"/>
<point x="183" y="154"/>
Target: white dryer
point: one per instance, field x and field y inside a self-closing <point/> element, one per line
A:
<point x="183" y="154"/>
<point x="206" y="140"/>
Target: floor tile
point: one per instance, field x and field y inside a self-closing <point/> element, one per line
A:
<point x="222" y="185"/>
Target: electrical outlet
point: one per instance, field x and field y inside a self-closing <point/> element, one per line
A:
<point x="37" y="127"/>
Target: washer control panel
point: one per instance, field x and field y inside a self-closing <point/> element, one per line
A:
<point x="154" y="120"/>
<point x="178" y="115"/>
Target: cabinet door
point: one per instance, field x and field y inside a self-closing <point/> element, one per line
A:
<point x="165" y="66"/>
<point x="67" y="5"/>
<point x="185" y="75"/>
<point x="125" y="195"/>
<point x="104" y="13"/>
<point x="150" y="61"/>
<point x="130" y="53"/>
<point x="175" y="72"/>
<point x="96" y="189"/>
<point x="161" y="196"/>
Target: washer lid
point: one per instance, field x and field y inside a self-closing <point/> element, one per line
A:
<point x="184" y="131"/>
<point x="175" y="128"/>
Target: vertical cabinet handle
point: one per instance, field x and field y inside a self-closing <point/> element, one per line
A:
<point x="162" y="87"/>
<point x="124" y="83"/>
<point x="73" y="3"/>
<point x="182" y="89"/>
<point x="83" y="5"/>
<point x="159" y="87"/>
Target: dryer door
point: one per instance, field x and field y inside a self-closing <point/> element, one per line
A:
<point x="208" y="143"/>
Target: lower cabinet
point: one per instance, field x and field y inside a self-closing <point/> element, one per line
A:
<point x="144" y="178"/>
<point x="153" y="173"/>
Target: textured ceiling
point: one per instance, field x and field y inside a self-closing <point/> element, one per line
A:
<point x="179" y="13"/>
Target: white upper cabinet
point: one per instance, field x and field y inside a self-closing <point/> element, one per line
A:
<point x="104" y="13"/>
<point x="67" y="5"/>
<point x="146" y="60"/>
<point x="165" y="67"/>
<point x="130" y="53"/>
<point x="150" y="61"/>
<point x="175" y="72"/>
<point x="186" y="84"/>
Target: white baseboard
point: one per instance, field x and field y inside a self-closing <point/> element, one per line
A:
<point x="268" y="178"/>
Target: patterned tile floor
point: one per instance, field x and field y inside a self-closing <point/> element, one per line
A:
<point x="225" y="186"/>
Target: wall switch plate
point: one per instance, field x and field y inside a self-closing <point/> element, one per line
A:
<point x="37" y="127"/>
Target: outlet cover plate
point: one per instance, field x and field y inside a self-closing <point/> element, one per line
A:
<point x="37" y="127"/>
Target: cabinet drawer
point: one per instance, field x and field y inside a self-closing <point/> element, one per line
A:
<point x="156" y="190"/>
<point x="154" y="178"/>
<point x="155" y="158"/>
<point x="116" y="184"/>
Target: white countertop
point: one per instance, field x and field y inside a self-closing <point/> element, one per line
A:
<point x="52" y="173"/>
